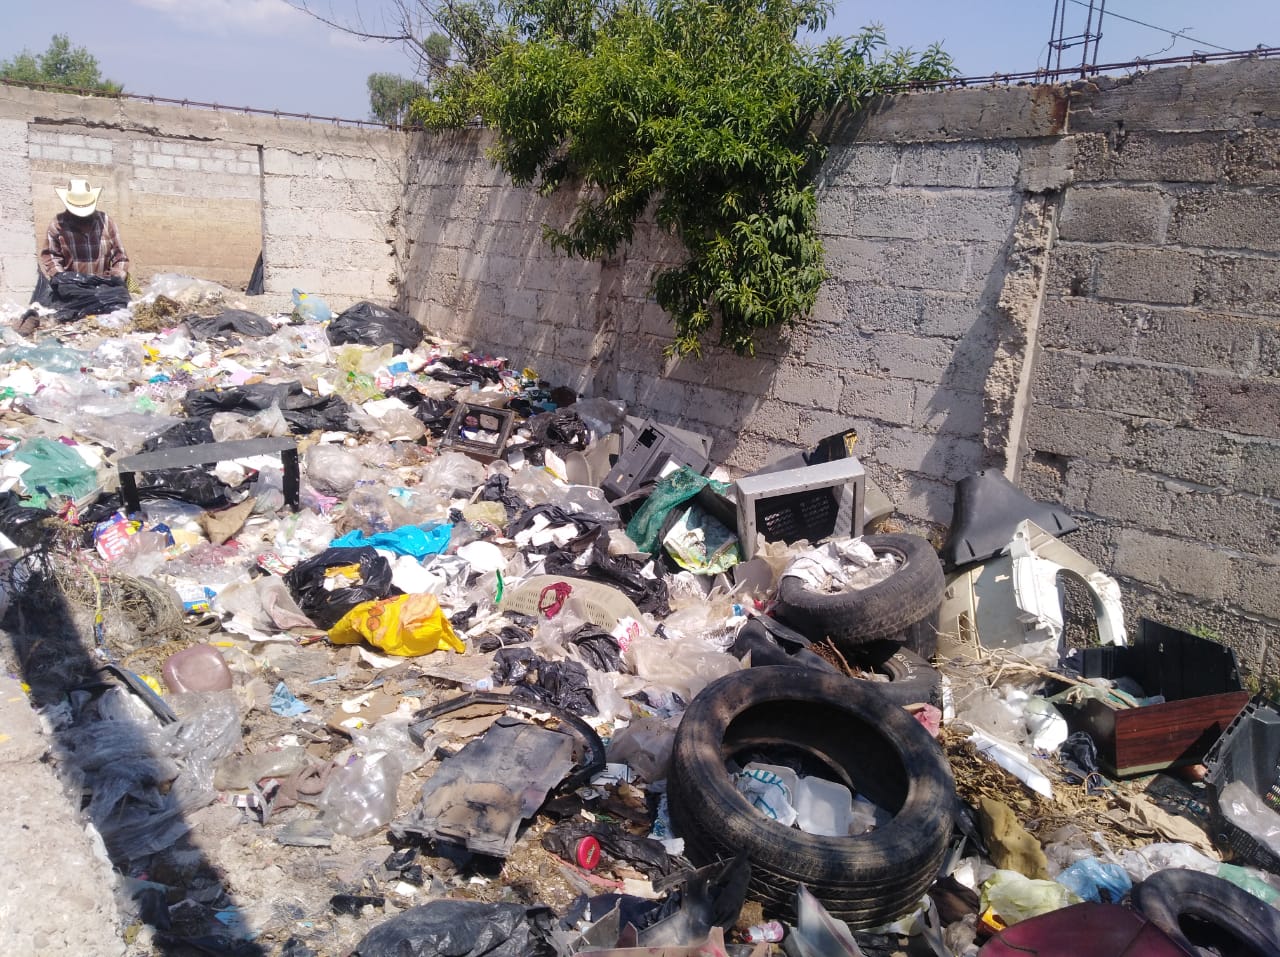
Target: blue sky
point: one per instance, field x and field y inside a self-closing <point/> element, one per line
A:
<point x="261" y="53"/>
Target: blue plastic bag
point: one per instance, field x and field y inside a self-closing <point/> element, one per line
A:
<point x="1094" y="880"/>
<point x="311" y="308"/>
<point x="407" y="540"/>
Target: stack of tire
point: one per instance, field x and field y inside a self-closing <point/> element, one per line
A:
<point x="856" y="730"/>
<point x="890" y="627"/>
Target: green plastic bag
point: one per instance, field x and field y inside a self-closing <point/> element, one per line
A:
<point x="56" y="472"/>
<point x="681" y="485"/>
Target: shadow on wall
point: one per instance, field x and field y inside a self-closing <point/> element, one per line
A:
<point x="481" y="273"/>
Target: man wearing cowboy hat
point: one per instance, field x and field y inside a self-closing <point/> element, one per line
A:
<point x="83" y="239"/>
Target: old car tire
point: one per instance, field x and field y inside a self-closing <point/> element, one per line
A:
<point x="1199" y="909"/>
<point x="851" y="728"/>
<point x="912" y="680"/>
<point x="903" y="608"/>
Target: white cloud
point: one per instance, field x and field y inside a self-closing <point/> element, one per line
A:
<point x="264" y="16"/>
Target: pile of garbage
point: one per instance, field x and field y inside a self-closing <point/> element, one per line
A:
<point x="354" y="641"/>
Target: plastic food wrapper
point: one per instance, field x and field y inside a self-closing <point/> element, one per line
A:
<point x="771" y="791"/>
<point x="412" y="540"/>
<point x="360" y="797"/>
<point x="406" y="626"/>
<point x="702" y="544"/>
<point x="1013" y="897"/>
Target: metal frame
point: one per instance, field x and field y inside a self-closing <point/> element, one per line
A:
<point x="188" y="455"/>
<point x="847" y="472"/>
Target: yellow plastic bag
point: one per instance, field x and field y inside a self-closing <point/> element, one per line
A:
<point x="406" y="625"/>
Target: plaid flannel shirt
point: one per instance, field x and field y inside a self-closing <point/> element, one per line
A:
<point x="89" y="245"/>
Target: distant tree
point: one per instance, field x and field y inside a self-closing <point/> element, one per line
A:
<point x="61" y="65"/>
<point x="437" y="49"/>
<point x="390" y="96"/>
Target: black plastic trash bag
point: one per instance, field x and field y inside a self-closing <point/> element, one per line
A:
<point x="239" y="321"/>
<point x="185" y="433"/>
<point x="619" y="571"/>
<point x="645" y="854"/>
<point x="597" y="648"/>
<point x="561" y="431"/>
<point x="459" y="928"/>
<point x="25" y="527"/>
<point x="193" y="485"/>
<point x="435" y="414"/>
<point x="497" y="489"/>
<point x="76" y="296"/>
<point x="367" y="324"/>
<point x="563" y="684"/>
<point x="306" y="583"/>
<point x="304" y="413"/>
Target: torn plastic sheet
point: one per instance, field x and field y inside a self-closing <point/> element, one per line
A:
<point x="817" y="933"/>
<point x="461" y="928"/>
<point x="479" y="796"/>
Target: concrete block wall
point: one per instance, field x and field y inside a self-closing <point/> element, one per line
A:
<point x="1155" y="412"/>
<point x="17" y="256"/>
<point x="203" y="193"/>
<point x="1076" y="285"/>
<point x="182" y="204"/>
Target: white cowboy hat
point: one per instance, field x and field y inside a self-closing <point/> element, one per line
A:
<point x="79" y="199"/>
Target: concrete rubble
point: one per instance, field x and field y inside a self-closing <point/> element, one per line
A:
<point x="407" y="655"/>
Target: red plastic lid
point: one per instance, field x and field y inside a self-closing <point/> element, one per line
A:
<point x="588" y="853"/>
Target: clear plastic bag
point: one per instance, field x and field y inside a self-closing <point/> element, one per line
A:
<point x="231" y="427"/>
<point x="121" y="356"/>
<point x="391" y="734"/>
<point x="1247" y="811"/>
<point x="1015" y="897"/>
<point x="332" y="469"/>
<point x="453" y="472"/>
<point x="361" y="797"/>
<point x="187" y="290"/>
<point x="645" y="746"/>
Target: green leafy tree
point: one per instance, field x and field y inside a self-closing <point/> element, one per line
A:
<point x="60" y="65"/>
<point x="437" y="48"/>
<point x="709" y="115"/>
<point x="390" y="96"/>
